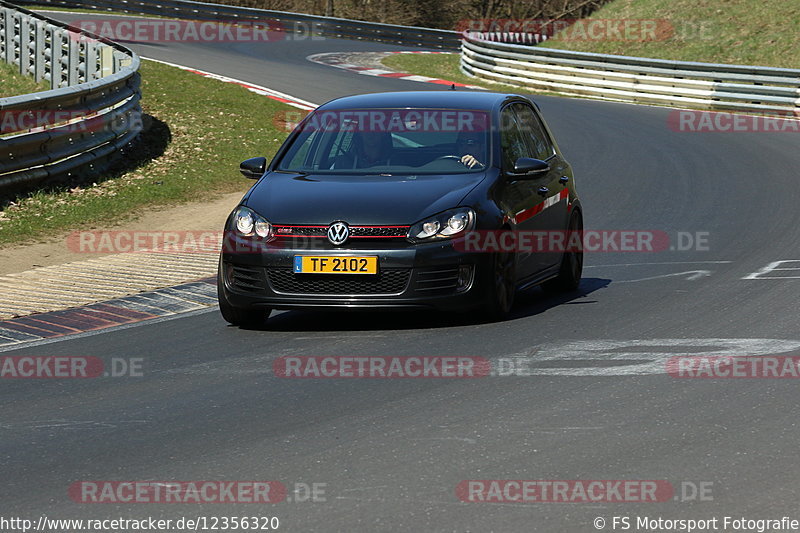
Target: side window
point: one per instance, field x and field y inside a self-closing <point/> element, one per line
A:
<point x="534" y="130"/>
<point x="512" y="140"/>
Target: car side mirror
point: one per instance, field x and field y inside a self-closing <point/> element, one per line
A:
<point x="529" y="167"/>
<point x="253" y="168"/>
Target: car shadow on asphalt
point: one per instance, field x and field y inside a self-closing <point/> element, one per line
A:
<point x="527" y="303"/>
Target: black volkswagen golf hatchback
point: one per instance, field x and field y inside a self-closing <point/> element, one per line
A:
<point x="434" y="199"/>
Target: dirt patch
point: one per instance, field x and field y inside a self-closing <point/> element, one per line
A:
<point x="198" y="216"/>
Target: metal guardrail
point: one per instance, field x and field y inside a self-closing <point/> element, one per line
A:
<point x="89" y="115"/>
<point x="635" y="79"/>
<point x="297" y="23"/>
<point x="107" y="90"/>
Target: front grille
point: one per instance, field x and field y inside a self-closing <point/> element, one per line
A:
<point x="247" y="278"/>
<point x="285" y="281"/>
<point x="441" y="278"/>
<point x="356" y="232"/>
<point x="378" y="231"/>
<point x="301" y="231"/>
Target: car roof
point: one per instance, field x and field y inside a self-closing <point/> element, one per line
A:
<point x="421" y="99"/>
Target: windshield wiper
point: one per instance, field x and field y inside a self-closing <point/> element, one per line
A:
<point x="300" y="172"/>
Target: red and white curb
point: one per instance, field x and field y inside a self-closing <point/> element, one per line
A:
<point x="258" y="89"/>
<point x="337" y="60"/>
<point x="194" y="296"/>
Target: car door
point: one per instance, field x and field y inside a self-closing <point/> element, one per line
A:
<point x="550" y="188"/>
<point x="520" y="195"/>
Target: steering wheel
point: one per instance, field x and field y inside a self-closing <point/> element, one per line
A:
<point x="457" y="158"/>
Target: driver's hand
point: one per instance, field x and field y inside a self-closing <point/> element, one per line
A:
<point x="470" y="161"/>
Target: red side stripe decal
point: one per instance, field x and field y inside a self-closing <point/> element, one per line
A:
<point x="525" y="214"/>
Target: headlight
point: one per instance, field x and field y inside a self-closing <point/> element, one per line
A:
<point x="248" y="223"/>
<point x="445" y="225"/>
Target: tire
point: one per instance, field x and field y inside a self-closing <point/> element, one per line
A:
<point x="502" y="283"/>
<point x="571" y="270"/>
<point x="247" y="318"/>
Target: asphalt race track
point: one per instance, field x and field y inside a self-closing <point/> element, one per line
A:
<point x="596" y="403"/>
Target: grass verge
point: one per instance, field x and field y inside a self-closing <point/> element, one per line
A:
<point x="12" y="83"/>
<point x="712" y="31"/>
<point x="200" y="129"/>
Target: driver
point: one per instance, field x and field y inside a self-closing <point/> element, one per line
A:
<point x="469" y="147"/>
<point x="369" y="149"/>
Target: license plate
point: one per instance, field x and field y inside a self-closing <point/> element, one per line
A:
<point x="312" y="264"/>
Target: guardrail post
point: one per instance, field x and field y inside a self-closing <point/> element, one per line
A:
<point x="91" y="61"/>
<point x="16" y="45"/>
<point x="50" y="65"/>
<point x="40" y="51"/>
<point x="74" y="60"/>
<point x="106" y="61"/>
<point x="3" y="29"/>
<point x="8" y="24"/>
<point x="120" y="60"/>
<point x="57" y="60"/>
<point x="25" y="38"/>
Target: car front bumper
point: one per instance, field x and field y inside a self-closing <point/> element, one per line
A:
<point x="431" y="275"/>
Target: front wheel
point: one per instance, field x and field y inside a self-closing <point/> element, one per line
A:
<point x="502" y="286"/>
<point x="246" y="318"/>
<point x="569" y="275"/>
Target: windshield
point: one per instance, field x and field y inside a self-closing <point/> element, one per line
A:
<point x="390" y="141"/>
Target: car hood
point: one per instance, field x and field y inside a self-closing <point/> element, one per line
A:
<point x="378" y="200"/>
